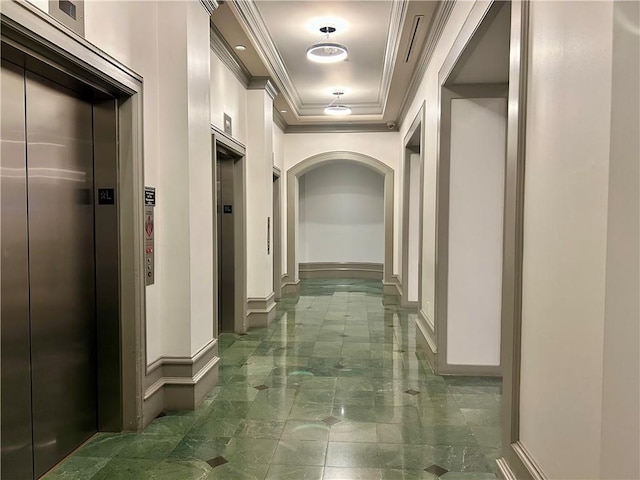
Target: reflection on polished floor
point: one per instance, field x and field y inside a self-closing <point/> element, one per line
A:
<point x="331" y="390"/>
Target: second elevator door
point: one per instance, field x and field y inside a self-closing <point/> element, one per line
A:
<point x="51" y="217"/>
<point x="226" y="252"/>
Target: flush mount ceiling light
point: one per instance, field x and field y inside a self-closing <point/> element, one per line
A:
<point x="335" y="109"/>
<point x="325" y="51"/>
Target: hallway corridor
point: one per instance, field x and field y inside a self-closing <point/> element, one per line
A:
<point x="331" y="390"/>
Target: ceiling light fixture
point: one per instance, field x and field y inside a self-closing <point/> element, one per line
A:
<point x="240" y="48"/>
<point x="325" y="51"/>
<point x="335" y="109"/>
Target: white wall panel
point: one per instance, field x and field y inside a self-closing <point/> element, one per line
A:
<point x="428" y="93"/>
<point x="565" y="229"/>
<point x="167" y="43"/>
<point x="136" y="24"/>
<point x="384" y="147"/>
<point x="228" y="96"/>
<point x="476" y="204"/>
<point x="341" y="215"/>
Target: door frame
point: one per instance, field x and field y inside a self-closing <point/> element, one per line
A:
<point x="41" y="39"/>
<point x="276" y="229"/>
<point x="515" y="459"/>
<point x="447" y="94"/>
<point x="237" y="150"/>
<point x="415" y="133"/>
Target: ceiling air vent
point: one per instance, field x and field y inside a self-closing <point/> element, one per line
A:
<point x="417" y="22"/>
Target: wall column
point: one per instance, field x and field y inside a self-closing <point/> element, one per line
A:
<point x="184" y="213"/>
<point x="259" y="196"/>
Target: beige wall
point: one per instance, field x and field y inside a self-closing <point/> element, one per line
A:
<point x="278" y="161"/>
<point x="167" y="43"/>
<point x="259" y="194"/>
<point x="136" y="23"/>
<point x="381" y="146"/>
<point x="621" y="384"/>
<point x="565" y="230"/>
<point x="579" y="410"/>
<point x="429" y="93"/>
<point x="228" y="96"/>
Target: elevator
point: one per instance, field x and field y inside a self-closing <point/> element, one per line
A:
<point x="226" y="241"/>
<point x="59" y="265"/>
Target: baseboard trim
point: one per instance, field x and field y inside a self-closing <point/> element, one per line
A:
<point x="469" y="370"/>
<point x="529" y="463"/>
<point x="180" y="383"/>
<point x="392" y="291"/>
<point x="371" y="271"/>
<point x="504" y="470"/>
<point x="261" y="311"/>
<point x="425" y="341"/>
<point x="290" y="286"/>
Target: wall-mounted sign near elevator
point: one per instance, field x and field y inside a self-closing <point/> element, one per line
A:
<point x="150" y="196"/>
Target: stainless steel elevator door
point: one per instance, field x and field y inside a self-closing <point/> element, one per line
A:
<point x="226" y="243"/>
<point x="48" y="273"/>
<point x="61" y="269"/>
<point x="17" y="449"/>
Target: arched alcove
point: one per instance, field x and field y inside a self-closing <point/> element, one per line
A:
<point x="316" y="161"/>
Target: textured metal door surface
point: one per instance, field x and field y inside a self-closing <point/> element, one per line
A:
<point x="48" y="273"/>
<point x="61" y="269"/>
<point x="17" y="456"/>
<point x="226" y="239"/>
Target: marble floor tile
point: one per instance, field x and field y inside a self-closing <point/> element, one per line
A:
<point x="300" y="452"/>
<point x="333" y="371"/>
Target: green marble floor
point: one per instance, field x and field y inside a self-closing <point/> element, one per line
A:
<point x="333" y="389"/>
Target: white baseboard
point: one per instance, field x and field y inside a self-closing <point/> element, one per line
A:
<point x="180" y="383"/>
<point x="261" y="311"/>
<point x="372" y="271"/>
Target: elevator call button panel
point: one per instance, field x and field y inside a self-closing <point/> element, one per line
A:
<point x="149" y="226"/>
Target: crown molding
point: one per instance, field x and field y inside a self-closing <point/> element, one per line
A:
<point x="226" y="55"/>
<point x="435" y="32"/>
<point x="263" y="83"/>
<point x="342" y="128"/>
<point x="209" y="5"/>
<point x="279" y="120"/>
<point x="249" y="15"/>
<point x="398" y="15"/>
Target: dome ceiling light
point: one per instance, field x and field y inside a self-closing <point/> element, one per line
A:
<point x="325" y="51"/>
<point x="336" y="109"/>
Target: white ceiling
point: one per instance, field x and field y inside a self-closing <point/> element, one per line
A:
<point x="377" y="33"/>
<point x="364" y="27"/>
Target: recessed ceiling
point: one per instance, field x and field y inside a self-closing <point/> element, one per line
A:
<point x="384" y="39"/>
<point x="487" y="60"/>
